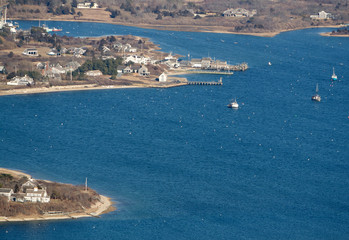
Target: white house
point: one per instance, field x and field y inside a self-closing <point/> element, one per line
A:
<point x="21" y="81"/>
<point x="31" y="52"/>
<point x="94" y="73"/>
<point x="196" y="63"/>
<point x="7" y="192"/>
<point x="36" y="195"/>
<point x="136" y="59"/>
<point x="321" y="15"/>
<point x="163" y="77"/>
<point x="87" y="5"/>
<point x="143" y="71"/>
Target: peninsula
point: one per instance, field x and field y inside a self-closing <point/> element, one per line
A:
<point x="23" y="198"/>
<point x="40" y="61"/>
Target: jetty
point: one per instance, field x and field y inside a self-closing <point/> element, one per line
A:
<point x="202" y="71"/>
<point x="219" y="83"/>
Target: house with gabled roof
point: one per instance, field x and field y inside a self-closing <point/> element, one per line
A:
<point x="7" y="192"/>
<point x="143" y="71"/>
<point x="163" y="77"/>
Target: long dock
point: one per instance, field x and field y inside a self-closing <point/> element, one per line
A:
<point x="205" y="83"/>
<point x="209" y="72"/>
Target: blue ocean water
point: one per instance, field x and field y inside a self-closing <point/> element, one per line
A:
<point x="181" y="165"/>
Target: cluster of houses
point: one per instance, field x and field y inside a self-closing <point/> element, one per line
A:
<point x="54" y="71"/>
<point x="142" y="71"/>
<point x="76" y="52"/>
<point x="30" y="191"/>
<point x="239" y="12"/>
<point x="322" y="16"/>
<point x="208" y="63"/>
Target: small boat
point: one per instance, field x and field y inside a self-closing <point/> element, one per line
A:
<point x="233" y="104"/>
<point x="316" y="97"/>
<point x="334" y="76"/>
<point x="56" y="29"/>
<point x="46" y="28"/>
<point x="269" y="63"/>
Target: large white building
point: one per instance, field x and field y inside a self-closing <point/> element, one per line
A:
<point x="321" y="15"/>
<point x="21" y="81"/>
<point x="36" y="195"/>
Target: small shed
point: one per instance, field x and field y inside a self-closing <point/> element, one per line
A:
<point x="163" y="77"/>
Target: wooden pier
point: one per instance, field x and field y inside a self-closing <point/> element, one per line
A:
<point x="206" y="83"/>
<point x="219" y="83"/>
<point x="209" y="72"/>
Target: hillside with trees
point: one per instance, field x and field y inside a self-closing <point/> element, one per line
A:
<point x="272" y="15"/>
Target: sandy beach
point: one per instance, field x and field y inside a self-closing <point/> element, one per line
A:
<point x="105" y="205"/>
<point x="38" y="90"/>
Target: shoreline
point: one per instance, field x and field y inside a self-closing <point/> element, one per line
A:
<point x="104" y="205"/>
<point x="184" y="28"/>
<point x="84" y="87"/>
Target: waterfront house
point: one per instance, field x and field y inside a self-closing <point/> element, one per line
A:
<point x="206" y="62"/>
<point x="7" y="192"/>
<point x="36" y="195"/>
<point x="143" y="71"/>
<point x="94" y="73"/>
<point x="21" y="81"/>
<point x="31" y="183"/>
<point x="219" y="65"/>
<point x="163" y="77"/>
<point x="196" y="63"/>
<point x="31" y="52"/>
<point x="73" y="65"/>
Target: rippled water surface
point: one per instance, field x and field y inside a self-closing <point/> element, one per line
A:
<point x="181" y="165"/>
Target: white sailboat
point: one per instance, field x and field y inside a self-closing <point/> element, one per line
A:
<point x="334" y="76"/>
<point x="233" y="104"/>
<point x="316" y="97"/>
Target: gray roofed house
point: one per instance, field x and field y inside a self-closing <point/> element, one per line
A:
<point x="143" y="71"/>
<point x="21" y="81"/>
<point x="73" y="65"/>
<point x="7" y="192"/>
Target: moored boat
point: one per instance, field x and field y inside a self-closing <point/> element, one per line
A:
<point x="56" y="29"/>
<point x="316" y="97"/>
<point x="233" y="104"/>
<point x="334" y="76"/>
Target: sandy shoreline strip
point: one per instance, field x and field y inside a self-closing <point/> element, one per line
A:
<point x="15" y="173"/>
<point x="104" y="205"/>
<point x="37" y="90"/>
